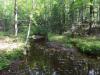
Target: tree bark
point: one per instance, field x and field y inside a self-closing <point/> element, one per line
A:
<point x="30" y="22"/>
<point x="91" y="16"/>
<point x="16" y="18"/>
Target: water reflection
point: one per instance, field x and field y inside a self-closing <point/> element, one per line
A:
<point x="48" y="61"/>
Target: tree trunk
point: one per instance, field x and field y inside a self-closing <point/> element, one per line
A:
<point x="16" y="19"/>
<point x="91" y="16"/>
<point x="4" y="11"/>
<point x="30" y="22"/>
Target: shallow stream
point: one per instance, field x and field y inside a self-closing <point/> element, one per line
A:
<point x="55" y="61"/>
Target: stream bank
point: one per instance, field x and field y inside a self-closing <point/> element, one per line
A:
<point x="53" y="58"/>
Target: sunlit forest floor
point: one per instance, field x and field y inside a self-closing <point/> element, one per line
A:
<point x="10" y="50"/>
<point x="7" y="43"/>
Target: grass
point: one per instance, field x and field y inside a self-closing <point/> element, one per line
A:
<point x="62" y="39"/>
<point x="2" y="33"/>
<point x="86" y="45"/>
<point x="7" y="57"/>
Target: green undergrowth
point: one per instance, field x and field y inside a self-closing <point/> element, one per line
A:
<point x="61" y="39"/>
<point x="2" y="34"/>
<point x="86" y="45"/>
<point x="7" y="57"/>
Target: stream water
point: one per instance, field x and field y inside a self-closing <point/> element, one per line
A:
<point x="50" y="61"/>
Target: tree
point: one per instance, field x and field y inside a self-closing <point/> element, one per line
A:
<point x="30" y="22"/>
<point x="16" y="17"/>
<point x="91" y="17"/>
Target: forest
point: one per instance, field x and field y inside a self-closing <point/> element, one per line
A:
<point x="49" y="37"/>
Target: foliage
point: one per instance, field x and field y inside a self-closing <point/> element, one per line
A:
<point x="2" y="34"/>
<point x="55" y="16"/>
<point x="66" y="40"/>
<point x="7" y="57"/>
<point x="3" y="63"/>
<point x="88" y="45"/>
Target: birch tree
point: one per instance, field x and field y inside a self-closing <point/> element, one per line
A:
<point x="30" y="22"/>
<point x="16" y="17"/>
